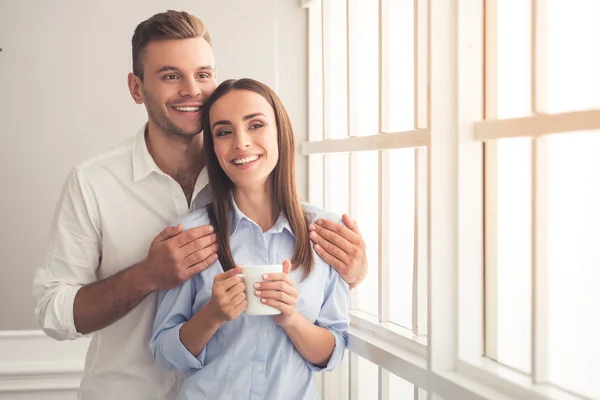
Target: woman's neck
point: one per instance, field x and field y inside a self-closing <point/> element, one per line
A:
<point x="257" y="204"/>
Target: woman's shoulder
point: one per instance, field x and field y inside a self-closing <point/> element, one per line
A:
<point x="194" y="219"/>
<point x="316" y="213"/>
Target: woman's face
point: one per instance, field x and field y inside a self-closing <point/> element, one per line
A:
<point x="244" y="132"/>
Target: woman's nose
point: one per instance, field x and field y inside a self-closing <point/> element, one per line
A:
<point x="242" y="140"/>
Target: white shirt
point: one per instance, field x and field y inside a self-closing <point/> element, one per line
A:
<point x="111" y="208"/>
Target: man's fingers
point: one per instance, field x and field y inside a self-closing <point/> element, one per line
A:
<point x="351" y="224"/>
<point x="198" y="244"/>
<point x="200" y="256"/>
<point x="333" y="244"/>
<point x="192" y="234"/>
<point x="168" y="233"/>
<point x="335" y="233"/>
<point x="201" y="265"/>
<point x="338" y="265"/>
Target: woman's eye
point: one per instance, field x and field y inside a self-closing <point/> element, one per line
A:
<point x="256" y="126"/>
<point x="223" y="133"/>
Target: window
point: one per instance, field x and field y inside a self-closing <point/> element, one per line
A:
<point x="542" y="205"/>
<point x="368" y="121"/>
<point x="463" y="136"/>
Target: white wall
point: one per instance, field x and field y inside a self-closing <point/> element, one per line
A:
<point x="63" y="97"/>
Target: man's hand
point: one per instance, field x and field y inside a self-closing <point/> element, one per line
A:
<point x="228" y="299"/>
<point x="175" y="256"/>
<point x="342" y="247"/>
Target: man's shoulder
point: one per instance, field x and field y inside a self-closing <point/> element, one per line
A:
<point x="316" y="213"/>
<point x="115" y="156"/>
<point x="197" y="218"/>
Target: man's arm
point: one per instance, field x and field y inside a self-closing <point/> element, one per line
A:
<point x="174" y="257"/>
<point x="342" y="247"/>
<point x="70" y="300"/>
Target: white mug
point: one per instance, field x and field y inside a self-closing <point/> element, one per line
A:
<point x="252" y="274"/>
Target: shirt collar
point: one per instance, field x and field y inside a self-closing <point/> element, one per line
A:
<point x="237" y="216"/>
<point x="143" y="163"/>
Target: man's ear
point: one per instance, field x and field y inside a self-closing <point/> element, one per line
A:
<point x="135" y="88"/>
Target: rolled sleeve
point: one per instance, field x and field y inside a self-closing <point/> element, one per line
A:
<point x="175" y="308"/>
<point x="172" y="354"/>
<point x="72" y="257"/>
<point x="334" y="317"/>
<point x="55" y="312"/>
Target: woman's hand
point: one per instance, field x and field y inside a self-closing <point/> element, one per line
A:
<point x="279" y="291"/>
<point x="228" y="299"/>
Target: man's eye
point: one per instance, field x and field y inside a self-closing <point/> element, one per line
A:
<point x="170" y="77"/>
<point x="204" y="76"/>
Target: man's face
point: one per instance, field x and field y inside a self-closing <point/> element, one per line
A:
<point x="178" y="76"/>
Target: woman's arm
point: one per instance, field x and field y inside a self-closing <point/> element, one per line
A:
<point x="227" y="303"/>
<point x="179" y="339"/>
<point x="321" y="344"/>
<point x="314" y="343"/>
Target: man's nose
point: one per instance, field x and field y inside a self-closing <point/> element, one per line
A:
<point x="190" y="88"/>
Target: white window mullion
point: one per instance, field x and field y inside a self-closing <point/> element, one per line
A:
<point x="354" y="377"/>
<point x="419" y="312"/>
<point x="490" y="348"/>
<point x="470" y="175"/>
<point x="539" y="341"/>
<point x="384" y="165"/>
<point x="384" y="384"/>
<point x="316" y="184"/>
<point x="353" y="187"/>
<point x="443" y="178"/>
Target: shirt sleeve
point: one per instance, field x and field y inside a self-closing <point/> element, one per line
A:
<point x="334" y="317"/>
<point x="72" y="258"/>
<point x="175" y="307"/>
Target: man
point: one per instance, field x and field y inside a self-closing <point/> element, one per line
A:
<point x="104" y="263"/>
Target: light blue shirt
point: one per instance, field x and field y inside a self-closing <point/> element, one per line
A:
<point x="251" y="357"/>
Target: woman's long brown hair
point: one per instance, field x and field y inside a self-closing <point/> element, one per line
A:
<point x="284" y="178"/>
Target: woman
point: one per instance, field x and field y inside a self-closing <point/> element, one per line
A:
<point x="200" y="326"/>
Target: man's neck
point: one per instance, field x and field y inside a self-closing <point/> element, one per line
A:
<point x="179" y="157"/>
<point x="257" y="204"/>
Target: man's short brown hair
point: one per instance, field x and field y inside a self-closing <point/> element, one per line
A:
<point x="164" y="26"/>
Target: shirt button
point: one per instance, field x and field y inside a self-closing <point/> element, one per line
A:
<point x="265" y="335"/>
<point x="259" y="367"/>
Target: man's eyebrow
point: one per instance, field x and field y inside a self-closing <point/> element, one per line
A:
<point x="171" y="68"/>
<point x="167" y="68"/>
<point x="246" y="118"/>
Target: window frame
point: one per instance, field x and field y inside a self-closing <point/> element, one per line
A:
<point x="456" y="133"/>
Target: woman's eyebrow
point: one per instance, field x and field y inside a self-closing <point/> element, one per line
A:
<point x="246" y="118"/>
